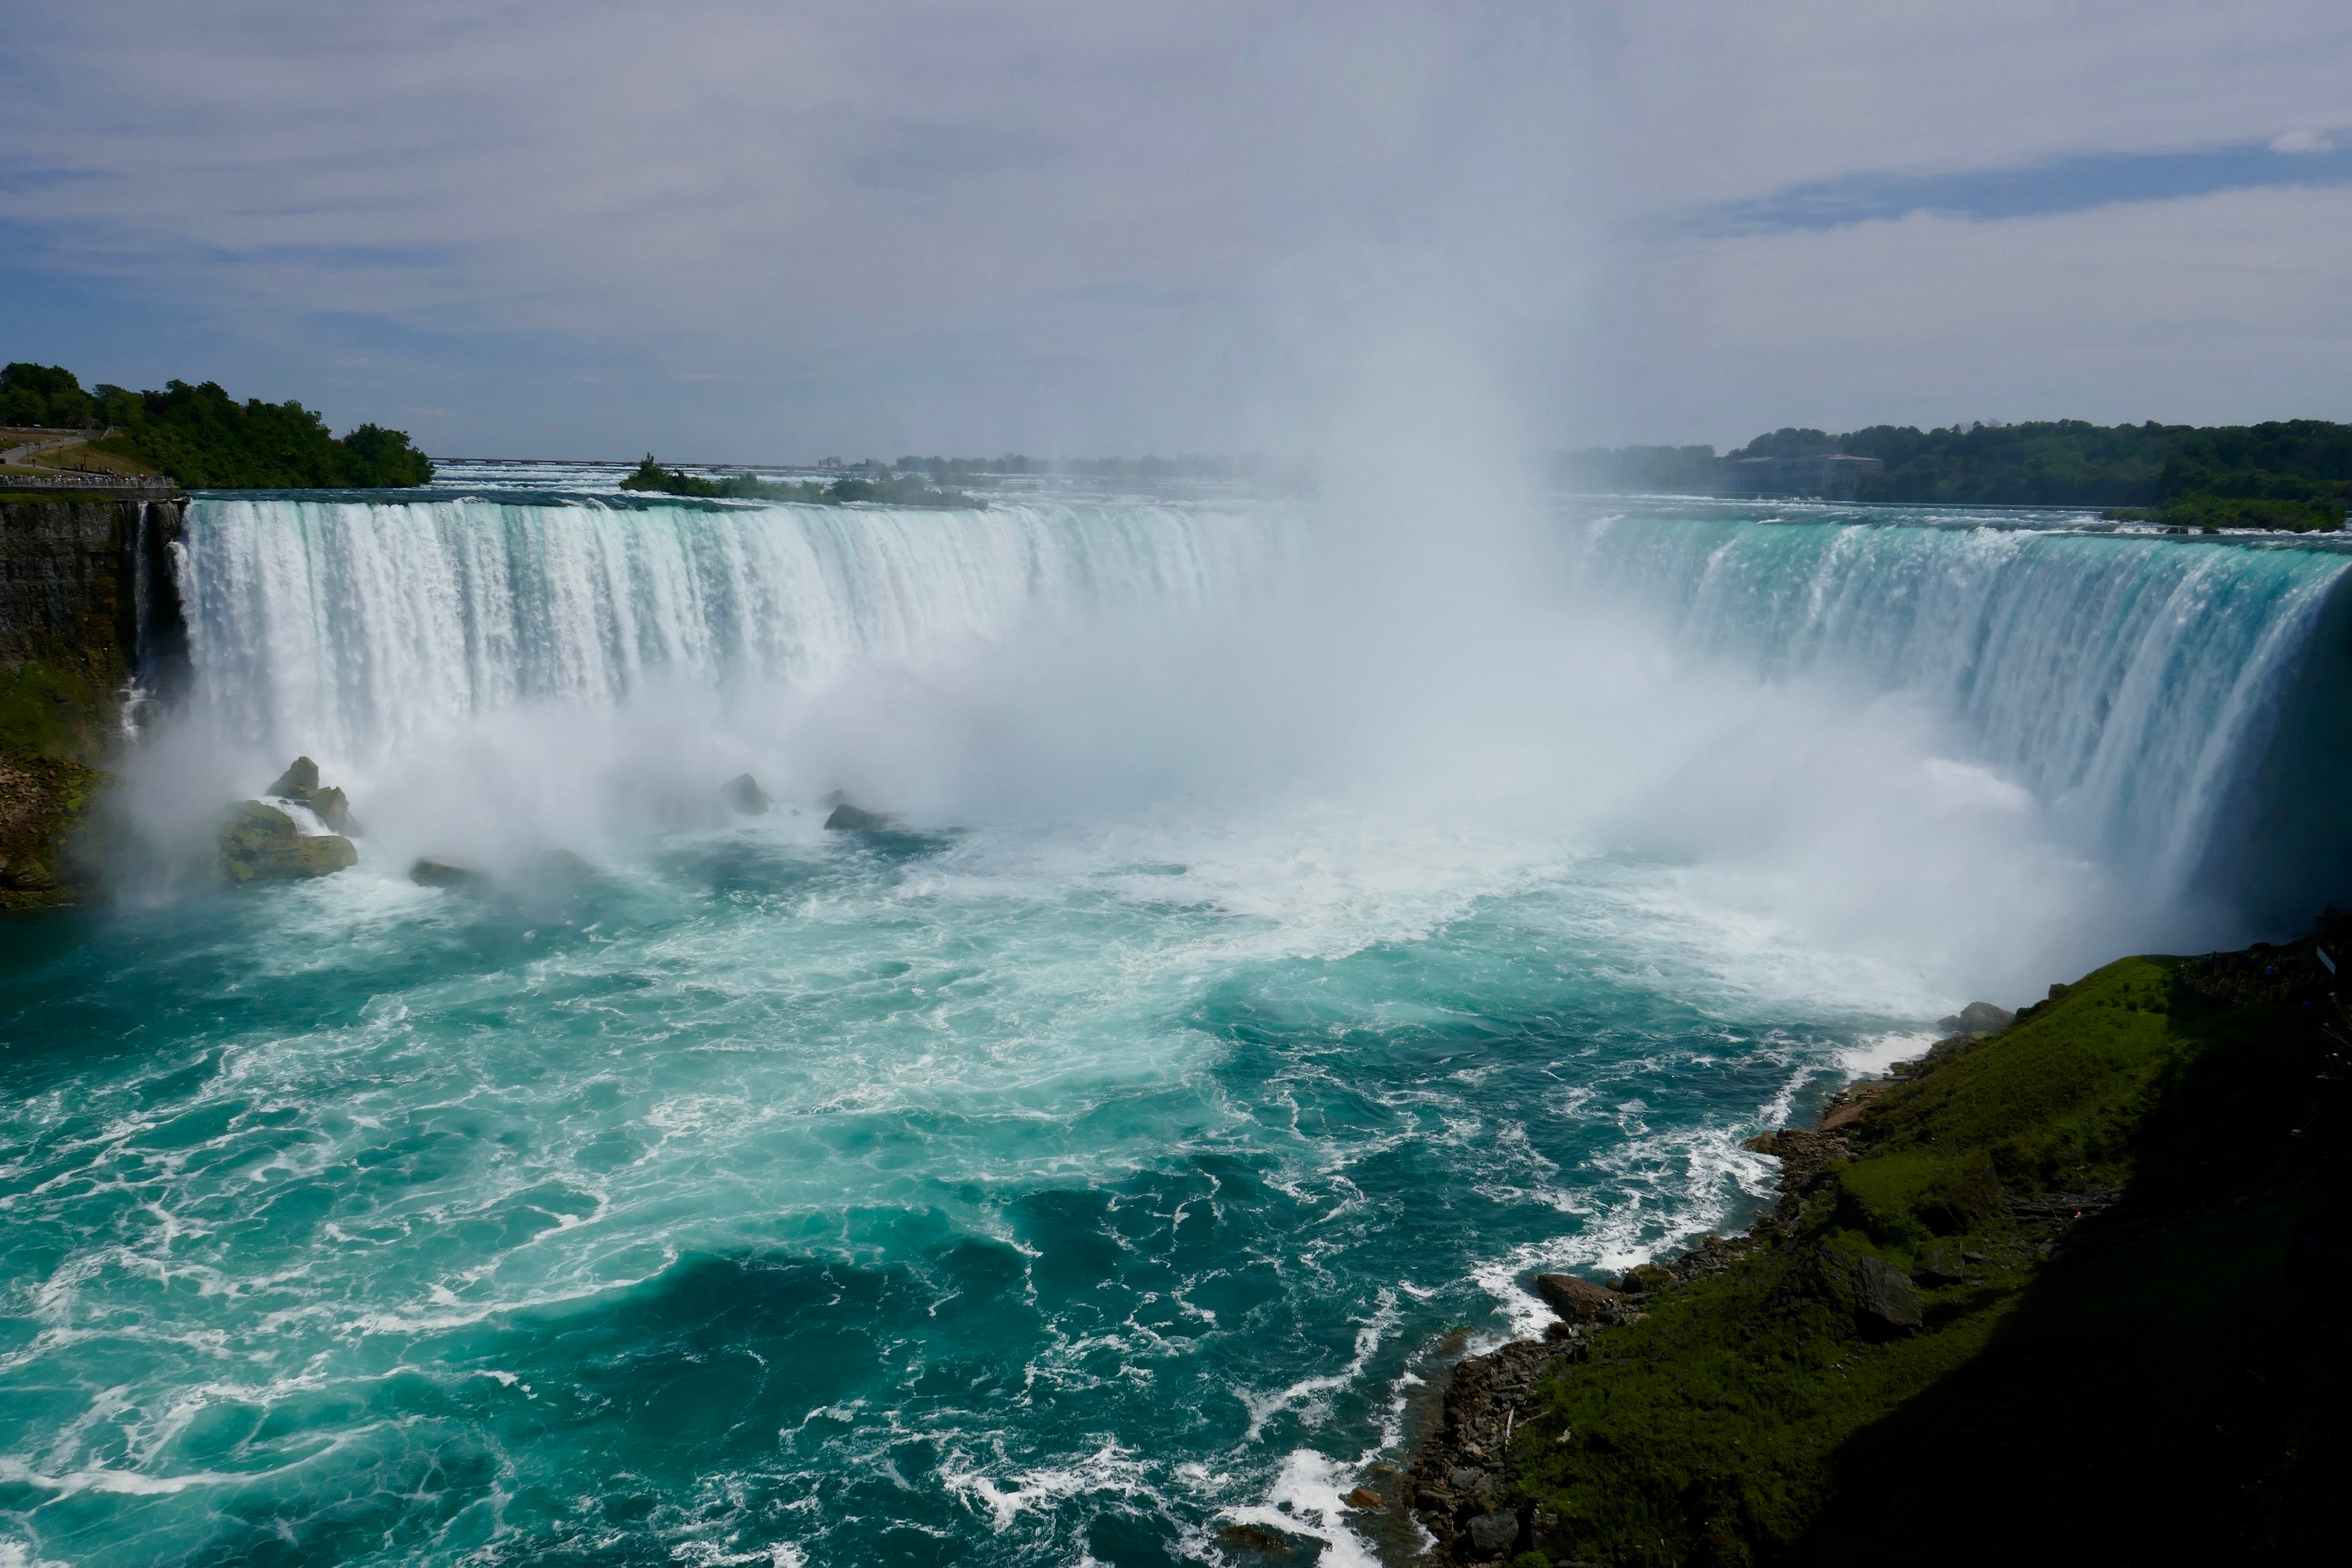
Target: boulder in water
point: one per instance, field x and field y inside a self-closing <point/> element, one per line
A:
<point x="559" y="870"/>
<point x="847" y="818"/>
<point x="259" y="843"/>
<point x="744" y="793"/>
<point x="300" y="784"/>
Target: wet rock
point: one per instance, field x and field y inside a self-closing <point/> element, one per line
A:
<point x="847" y="818"/>
<point x="301" y="777"/>
<point x="743" y="793"/>
<point x="1366" y="1499"/>
<point x="557" y="871"/>
<point x="1466" y="1480"/>
<point x="1885" y="1304"/>
<point x="1250" y="1538"/>
<point x="259" y="843"/>
<point x="300" y="784"/>
<point x="1576" y="1300"/>
<point x="1492" y="1534"/>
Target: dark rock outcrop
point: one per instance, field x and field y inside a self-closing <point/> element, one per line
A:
<point x="300" y="784"/>
<point x="87" y="604"/>
<point x="42" y="801"/>
<point x="556" y="872"/>
<point x="1459" y="1479"/>
<point x="1577" y="1300"/>
<point x="1885" y="1304"/>
<point x="847" y="818"/>
<point x="87" y="598"/>
<point x="744" y="795"/>
<point x="1493" y="1534"/>
<point x="259" y="843"/>
<point x="1977" y="1018"/>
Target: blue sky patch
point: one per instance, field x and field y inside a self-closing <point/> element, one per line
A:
<point x="2037" y="190"/>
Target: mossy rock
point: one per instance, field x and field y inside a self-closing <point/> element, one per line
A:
<point x="260" y="842"/>
<point x="43" y="803"/>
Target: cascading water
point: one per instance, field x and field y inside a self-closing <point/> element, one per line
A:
<point x="1014" y="1188"/>
<point x="2135" y="684"/>
<point x="351" y="627"/>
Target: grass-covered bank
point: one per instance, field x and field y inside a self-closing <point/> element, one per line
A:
<point x="2075" y="1289"/>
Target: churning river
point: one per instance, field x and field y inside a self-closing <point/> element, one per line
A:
<point x="1285" y="947"/>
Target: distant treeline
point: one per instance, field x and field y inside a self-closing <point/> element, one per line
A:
<point x="202" y="437"/>
<point x="2302" y="466"/>
<point x="1191" y="466"/>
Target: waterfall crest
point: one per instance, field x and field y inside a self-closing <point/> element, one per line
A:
<point x="347" y="626"/>
<point x="2150" y="691"/>
<point x="2169" y="702"/>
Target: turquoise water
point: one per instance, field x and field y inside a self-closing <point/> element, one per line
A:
<point x="930" y="1198"/>
<point x="1012" y="1186"/>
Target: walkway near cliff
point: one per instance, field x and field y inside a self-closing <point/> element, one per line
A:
<point x="2074" y="1290"/>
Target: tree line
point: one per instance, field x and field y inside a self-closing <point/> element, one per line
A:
<point x="204" y="437"/>
<point x="2294" y="473"/>
<point x="902" y="490"/>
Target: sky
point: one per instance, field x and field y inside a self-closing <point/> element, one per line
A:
<point x="738" y="231"/>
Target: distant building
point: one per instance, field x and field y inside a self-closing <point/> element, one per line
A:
<point x="1824" y="476"/>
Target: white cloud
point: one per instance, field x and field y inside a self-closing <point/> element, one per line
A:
<point x="2304" y="141"/>
<point x="1054" y="224"/>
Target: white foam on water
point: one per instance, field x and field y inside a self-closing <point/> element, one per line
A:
<point x="1873" y="1054"/>
<point x="1306" y="1394"/>
<point x="1307" y="1497"/>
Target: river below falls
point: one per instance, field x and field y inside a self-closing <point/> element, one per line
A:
<point x="785" y="1196"/>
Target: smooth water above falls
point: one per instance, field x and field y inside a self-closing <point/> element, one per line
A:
<point x="1031" y="1182"/>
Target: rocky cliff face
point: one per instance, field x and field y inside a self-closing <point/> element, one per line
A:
<point x="87" y="602"/>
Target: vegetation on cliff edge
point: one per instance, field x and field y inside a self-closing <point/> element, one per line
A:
<point x="2299" y="470"/>
<point x="202" y="438"/>
<point x="2125" y="1218"/>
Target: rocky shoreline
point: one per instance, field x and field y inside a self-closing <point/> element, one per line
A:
<point x="1459" y="1486"/>
<point x="1939" y="1244"/>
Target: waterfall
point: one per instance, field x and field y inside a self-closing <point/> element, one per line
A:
<point x="349" y="627"/>
<point x="2172" y="702"/>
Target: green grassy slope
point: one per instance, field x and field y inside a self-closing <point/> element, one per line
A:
<point x="2148" y="1377"/>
